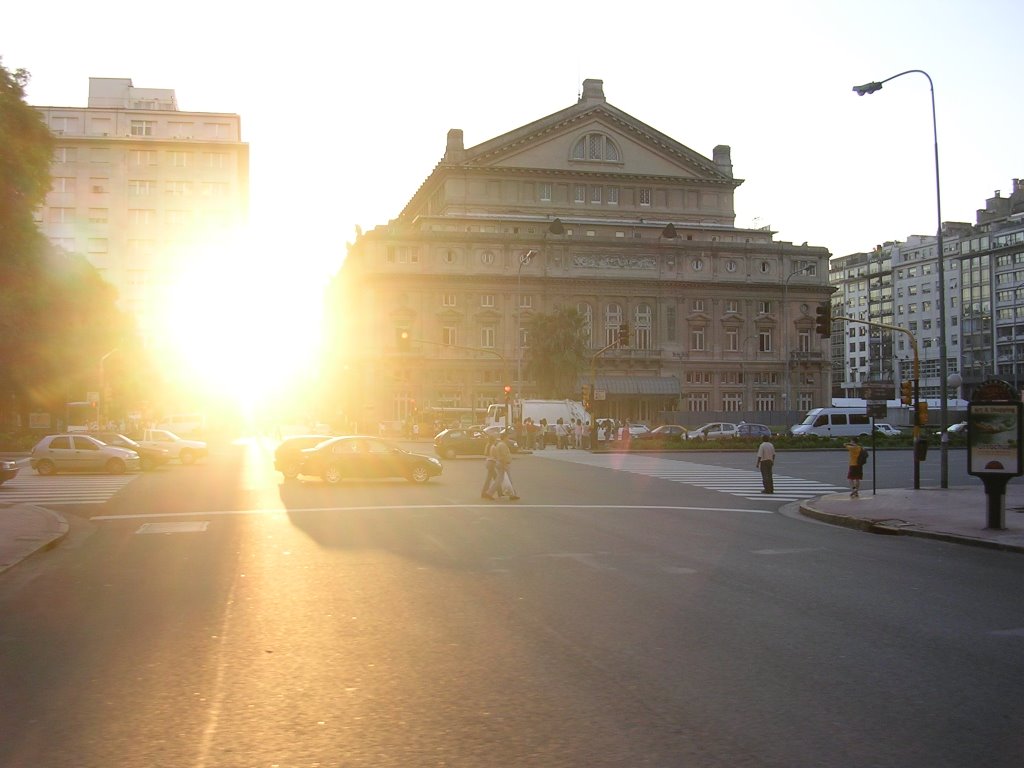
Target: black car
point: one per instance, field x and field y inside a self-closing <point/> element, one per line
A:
<point x="8" y="469"/>
<point x="288" y="455"/>
<point x="663" y="433"/>
<point x="362" y="457"/>
<point x="151" y="457"/>
<point x="468" y="441"/>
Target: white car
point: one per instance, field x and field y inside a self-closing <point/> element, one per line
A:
<point x="715" y="429"/>
<point x="888" y="430"/>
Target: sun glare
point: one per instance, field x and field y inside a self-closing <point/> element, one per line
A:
<point x="244" y="324"/>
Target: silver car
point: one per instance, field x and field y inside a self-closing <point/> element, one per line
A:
<point x="81" y="453"/>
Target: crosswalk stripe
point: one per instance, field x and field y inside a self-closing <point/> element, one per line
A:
<point x="30" y="488"/>
<point x="744" y="483"/>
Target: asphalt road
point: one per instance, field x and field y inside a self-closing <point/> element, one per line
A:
<point x="214" y="616"/>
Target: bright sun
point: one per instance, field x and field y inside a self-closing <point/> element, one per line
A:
<point x="245" y="323"/>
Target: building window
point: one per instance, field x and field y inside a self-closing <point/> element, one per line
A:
<point x="580" y="193"/>
<point x="142" y="127"/>
<point x="545" y="192"/>
<point x="644" y="195"/>
<point x="64" y="184"/>
<point x="612" y="323"/>
<point x="487" y="300"/>
<point x="697" y="340"/>
<point x="642" y="317"/>
<point x="596" y="146"/>
<point x="697" y="402"/>
<point x="733" y="306"/>
<point x="732" y="340"/>
<point x="803" y="341"/>
<point x="587" y="313"/>
<point x="141" y="187"/>
<point x="764" y="307"/>
<point x="487" y="258"/>
<point x="448" y="300"/>
<point x="613" y="195"/>
<point x="64" y="155"/>
<point x="217" y="160"/>
<point x="487" y="336"/>
<point x="764" y="340"/>
<point x="732" y="402"/>
<point x="449" y="335"/>
<point x="596" y="195"/>
<point x="179" y="159"/>
<point x="524" y="337"/>
<point x="179" y="188"/>
<point x="61" y="215"/>
<point x="764" y="401"/>
<point x="139" y="157"/>
<point x="697" y="305"/>
<point x="525" y="301"/>
<point x="730" y="266"/>
<point x="670" y="323"/>
<point x="97" y="215"/>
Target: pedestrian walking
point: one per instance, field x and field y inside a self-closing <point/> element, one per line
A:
<point x="489" y="466"/>
<point x="856" y="471"/>
<point x="502" y="469"/>
<point x="766" y="462"/>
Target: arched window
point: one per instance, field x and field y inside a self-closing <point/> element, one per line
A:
<point x="612" y="323"/>
<point x="596" y="146"/>
<point x="587" y="313"/>
<point x="642" y="337"/>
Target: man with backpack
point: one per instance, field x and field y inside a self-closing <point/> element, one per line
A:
<point x="858" y="458"/>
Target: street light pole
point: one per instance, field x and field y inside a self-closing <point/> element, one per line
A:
<point x="860" y="90"/>
<point x="525" y="259"/>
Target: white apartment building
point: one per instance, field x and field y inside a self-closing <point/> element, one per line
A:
<point x="897" y="284"/>
<point x="141" y="188"/>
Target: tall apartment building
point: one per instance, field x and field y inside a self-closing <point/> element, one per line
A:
<point x="142" y="188"/>
<point x="897" y="284"/>
<point x="626" y="225"/>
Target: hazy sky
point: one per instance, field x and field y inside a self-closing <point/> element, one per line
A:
<point x="346" y="111"/>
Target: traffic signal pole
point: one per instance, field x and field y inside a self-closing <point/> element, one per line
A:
<point x="916" y="412"/>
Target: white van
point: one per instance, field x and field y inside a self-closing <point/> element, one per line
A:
<point x="183" y="424"/>
<point x="834" y="422"/>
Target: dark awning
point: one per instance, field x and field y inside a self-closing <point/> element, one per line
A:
<point x="638" y="385"/>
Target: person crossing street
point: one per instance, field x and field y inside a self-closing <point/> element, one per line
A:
<point x="502" y="465"/>
<point x="766" y="462"/>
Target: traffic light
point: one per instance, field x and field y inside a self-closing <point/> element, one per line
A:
<point x="586" y="397"/>
<point x="824" y="323"/>
<point x="404" y="342"/>
<point x="907" y="392"/>
<point x="508" y="394"/>
<point x="623" y="339"/>
<point x="922" y="413"/>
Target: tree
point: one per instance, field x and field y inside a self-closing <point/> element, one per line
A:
<point x="557" y="353"/>
<point x="57" y="315"/>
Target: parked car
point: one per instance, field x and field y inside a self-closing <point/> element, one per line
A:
<point x="288" y="455"/>
<point x="81" y="453"/>
<point x="8" y="469"/>
<point x="150" y="456"/>
<point x="495" y="431"/>
<point x="636" y="430"/>
<point x="363" y="457"/>
<point x="753" y="430"/>
<point x="662" y="433"/>
<point x="715" y="429"/>
<point x="888" y="430"/>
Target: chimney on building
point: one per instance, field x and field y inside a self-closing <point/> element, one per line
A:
<point x="593" y="90"/>
<point x="723" y="159"/>
<point x="455" y="151"/>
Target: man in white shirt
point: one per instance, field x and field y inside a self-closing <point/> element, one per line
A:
<point x="765" y="461"/>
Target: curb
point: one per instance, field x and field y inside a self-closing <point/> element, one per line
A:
<point x="56" y="528"/>
<point x="893" y="527"/>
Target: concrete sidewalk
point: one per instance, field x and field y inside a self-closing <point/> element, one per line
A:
<point x="26" y="529"/>
<point x="957" y="514"/>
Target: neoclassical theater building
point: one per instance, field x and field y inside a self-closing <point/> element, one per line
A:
<point x="592" y="209"/>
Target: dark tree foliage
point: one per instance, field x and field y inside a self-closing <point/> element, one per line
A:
<point x="557" y="354"/>
<point x="57" y="315"/>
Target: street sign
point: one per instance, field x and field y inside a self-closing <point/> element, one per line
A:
<point x="600" y="394"/>
<point x="994" y="436"/>
<point x="877" y="390"/>
<point x="877" y="409"/>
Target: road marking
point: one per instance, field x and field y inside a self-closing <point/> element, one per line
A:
<point x="745" y="483"/>
<point x="29" y="488"/>
<point x="173" y="527"/>
<point x="405" y="507"/>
